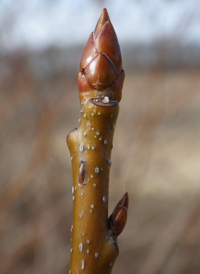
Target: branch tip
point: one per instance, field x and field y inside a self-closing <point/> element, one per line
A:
<point x="104" y="18"/>
<point x="101" y="63"/>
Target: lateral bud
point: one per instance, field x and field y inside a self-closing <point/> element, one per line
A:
<point x="118" y="218"/>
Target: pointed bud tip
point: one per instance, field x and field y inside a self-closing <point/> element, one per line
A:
<point x="124" y="201"/>
<point x="104" y="18"/>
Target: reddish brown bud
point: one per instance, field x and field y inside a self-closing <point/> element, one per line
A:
<point x="106" y="40"/>
<point x="118" y="218"/>
<point x="101" y="71"/>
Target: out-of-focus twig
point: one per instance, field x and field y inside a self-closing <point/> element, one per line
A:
<point x="168" y="239"/>
<point x="39" y="151"/>
<point x="34" y="234"/>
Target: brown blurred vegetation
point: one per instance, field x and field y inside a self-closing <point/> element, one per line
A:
<point x="155" y="158"/>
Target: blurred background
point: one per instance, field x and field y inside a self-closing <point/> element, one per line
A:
<point x="156" y="155"/>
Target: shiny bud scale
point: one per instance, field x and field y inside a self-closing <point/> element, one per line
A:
<point x="118" y="218"/>
<point x="101" y="72"/>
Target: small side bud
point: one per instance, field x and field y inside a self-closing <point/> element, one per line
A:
<point x="118" y="218"/>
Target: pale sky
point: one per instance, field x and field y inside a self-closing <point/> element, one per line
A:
<point x="40" y="23"/>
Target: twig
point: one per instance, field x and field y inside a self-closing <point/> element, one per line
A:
<point x="94" y="235"/>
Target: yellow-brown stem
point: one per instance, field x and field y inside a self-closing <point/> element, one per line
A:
<point x="100" y="80"/>
<point x="93" y="249"/>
